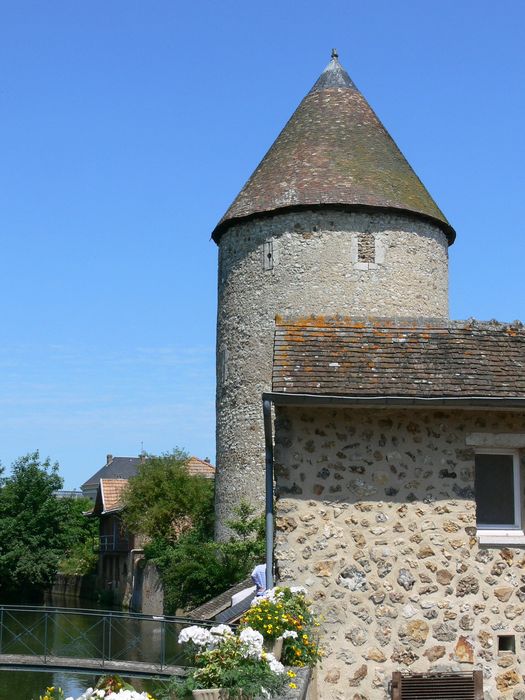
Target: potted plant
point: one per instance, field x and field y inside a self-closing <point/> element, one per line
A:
<point x="283" y="615"/>
<point x="229" y="665"/>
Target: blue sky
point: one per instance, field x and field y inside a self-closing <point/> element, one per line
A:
<point x="126" y="129"/>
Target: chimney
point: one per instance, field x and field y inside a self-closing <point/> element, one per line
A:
<point x="109" y="459"/>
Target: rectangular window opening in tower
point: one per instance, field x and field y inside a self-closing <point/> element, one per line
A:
<point x="366" y="248"/>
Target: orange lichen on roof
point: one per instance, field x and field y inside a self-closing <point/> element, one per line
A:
<point x="295" y="324"/>
<point x="401" y="357"/>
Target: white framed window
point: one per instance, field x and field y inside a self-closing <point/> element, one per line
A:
<point x="498" y="498"/>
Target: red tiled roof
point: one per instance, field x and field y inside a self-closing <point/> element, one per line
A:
<point x="111" y="491"/>
<point x="348" y="357"/>
<point x="200" y="467"/>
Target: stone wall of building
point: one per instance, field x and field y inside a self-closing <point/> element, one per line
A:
<point x="376" y="517"/>
<point x="302" y="264"/>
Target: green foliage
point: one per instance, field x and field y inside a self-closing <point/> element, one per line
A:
<point x="174" y="510"/>
<point x="195" y="568"/>
<point x="80" y="559"/>
<point x="36" y="528"/>
<point x="163" y="500"/>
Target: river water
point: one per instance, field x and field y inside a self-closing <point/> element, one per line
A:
<point x="130" y="638"/>
<point x="29" y="685"/>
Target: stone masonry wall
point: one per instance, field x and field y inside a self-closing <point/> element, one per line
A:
<point x="302" y="264"/>
<point x="375" y="516"/>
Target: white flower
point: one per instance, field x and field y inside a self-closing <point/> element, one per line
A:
<point x="275" y="666"/>
<point x="252" y="642"/>
<point x="200" y="636"/>
<point x="289" y="633"/>
<point x="122" y="694"/>
<point x="251" y="636"/>
<point x="298" y="589"/>
<point x="221" y="630"/>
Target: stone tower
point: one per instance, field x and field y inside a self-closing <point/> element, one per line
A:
<point x="333" y="221"/>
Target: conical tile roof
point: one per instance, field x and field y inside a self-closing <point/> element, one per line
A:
<point x="333" y="151"/>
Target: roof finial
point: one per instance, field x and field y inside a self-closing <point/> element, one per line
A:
<point x="335" y="54"/>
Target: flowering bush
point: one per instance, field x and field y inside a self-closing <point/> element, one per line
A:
<point x="107" y="688"/>
<point x="235" y="662"/>
<point x="285" y="613"/>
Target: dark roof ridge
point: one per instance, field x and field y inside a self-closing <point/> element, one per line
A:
<point x="326" y="204"/>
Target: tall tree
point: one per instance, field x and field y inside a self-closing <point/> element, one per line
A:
<point x="37" y="529"/>
<point x="175" y="511"/>
<point x="163" y="500"/>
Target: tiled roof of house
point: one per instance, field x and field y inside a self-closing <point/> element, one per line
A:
<point x="200" y="467"/>
<point x="333" y="151"/>
<point x="115" y="468"/>
<point x="126" y="467"/>
<point x="348" y="357"/>
<point x="111" y="491"/>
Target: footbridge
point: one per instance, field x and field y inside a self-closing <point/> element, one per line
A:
<point x="91" y="641"/>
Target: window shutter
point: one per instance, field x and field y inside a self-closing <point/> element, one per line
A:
<point x="437" y="686"/>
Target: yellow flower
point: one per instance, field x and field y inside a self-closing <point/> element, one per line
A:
<point x="291" y="674"/>
<point x="292" y="685"/>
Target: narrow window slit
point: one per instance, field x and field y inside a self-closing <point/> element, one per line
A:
<point x="366" y="248"/>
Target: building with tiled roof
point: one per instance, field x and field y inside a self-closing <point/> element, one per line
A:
<point x="110" y="491"/>
<point x="393" y="436"/>
<point x="121" y="568"/>
<point x="333" y="221"/>
<point x="115" y="468"/>
<point x="118" y="468"/>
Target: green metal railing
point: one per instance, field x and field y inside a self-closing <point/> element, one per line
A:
<point x="46" y="634"/>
